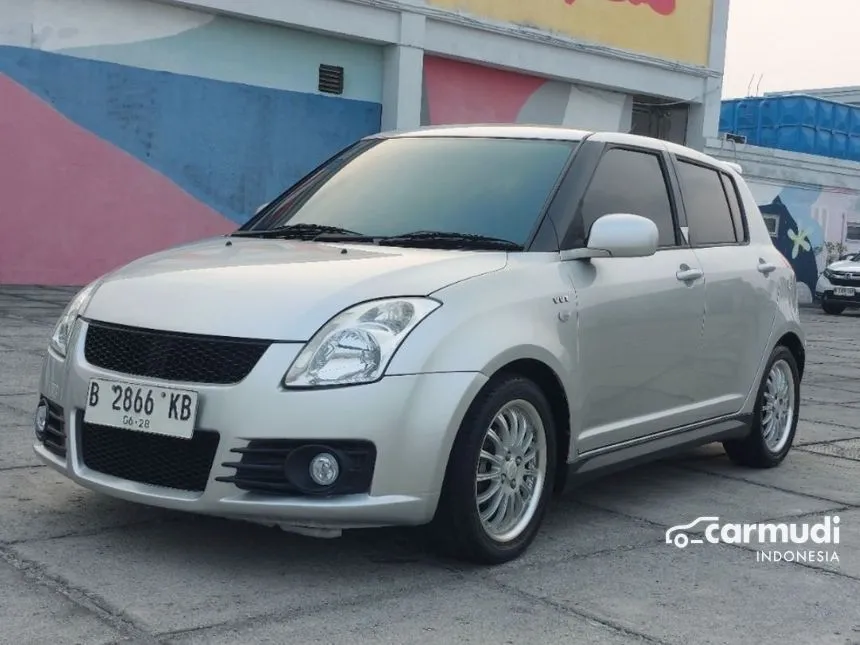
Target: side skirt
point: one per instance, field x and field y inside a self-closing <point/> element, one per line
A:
<point x="603" y="461"/>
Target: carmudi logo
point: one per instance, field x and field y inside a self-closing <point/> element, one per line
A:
<point x="774" y="534"/>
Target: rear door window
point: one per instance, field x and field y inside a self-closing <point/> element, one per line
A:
<point x="709" y="215"/>
<point x="738" y="217"/>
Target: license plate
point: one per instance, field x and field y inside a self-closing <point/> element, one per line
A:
<point x="843" y="291"/>
<point x="166" y="411"/>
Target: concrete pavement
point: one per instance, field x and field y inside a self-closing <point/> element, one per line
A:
<point x="77" y="567"/>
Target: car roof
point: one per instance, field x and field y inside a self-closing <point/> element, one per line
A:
<point x="500" y="131"/>
<point x="556" y="133"/>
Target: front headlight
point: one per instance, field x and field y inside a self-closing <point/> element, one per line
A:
<point x="356" y="345"/>
<point x="66" y="323"/>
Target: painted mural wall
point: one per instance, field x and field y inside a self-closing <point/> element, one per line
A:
<point x="678" y="30"/>
<point x="459" y="92"/>
<point x="803" y="220"/>
<point x="129" y="127"/>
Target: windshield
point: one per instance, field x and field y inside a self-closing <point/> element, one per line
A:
<point x="392" y="187"/>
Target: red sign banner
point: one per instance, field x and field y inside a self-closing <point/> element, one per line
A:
<point x="663" y="7"/>
<point x="674" y="30"/>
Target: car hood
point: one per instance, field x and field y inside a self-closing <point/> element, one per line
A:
<point x="845" y="266"/>
<point x="272" y="289"/>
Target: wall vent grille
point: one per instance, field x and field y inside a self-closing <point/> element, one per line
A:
<point x="331" y="79"/>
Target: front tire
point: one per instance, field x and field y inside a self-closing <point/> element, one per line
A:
<point x="500" y="474"/>
<point x="831" y="308"/>
<point x="775" y="415"/>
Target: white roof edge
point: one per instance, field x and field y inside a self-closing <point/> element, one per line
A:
<point x="511" y="130"/>
<point x="536" y="131"/>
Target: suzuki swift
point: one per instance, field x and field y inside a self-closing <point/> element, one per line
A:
<point x="440" y="327"/>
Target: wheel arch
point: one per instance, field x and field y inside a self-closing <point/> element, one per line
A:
<point x="792" y="342"/>
<point x="548" y="380"/>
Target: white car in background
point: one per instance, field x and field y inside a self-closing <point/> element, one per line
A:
<point x="838" y="286"/>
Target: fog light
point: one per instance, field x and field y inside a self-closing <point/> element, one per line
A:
<point x="41" y="419"/>
<point x="324" y="469"/>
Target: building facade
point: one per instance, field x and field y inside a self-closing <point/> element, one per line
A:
<point x="130" y="126"/>
<point x="811" y="202"/>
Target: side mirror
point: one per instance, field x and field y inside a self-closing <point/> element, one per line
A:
<point x="618" y="235"/>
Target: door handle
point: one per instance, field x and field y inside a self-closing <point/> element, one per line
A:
<point x="686" y="274"/>
<point x="765" y="268"/>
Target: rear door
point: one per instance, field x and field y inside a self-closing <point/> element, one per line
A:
<point x="740" y="294"/>
<point x="639" y="319"/>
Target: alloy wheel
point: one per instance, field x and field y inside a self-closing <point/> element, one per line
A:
<point x="777" y="410"/>
<point x="511" y="471"/>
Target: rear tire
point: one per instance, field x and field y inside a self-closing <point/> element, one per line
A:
<point x="831" y="308"/>
<point x="500" y="475"/>
<point x="774" y="417"/>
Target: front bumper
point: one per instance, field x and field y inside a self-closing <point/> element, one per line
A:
<point x="410" y="420"/>
<point x="825" y="291"/>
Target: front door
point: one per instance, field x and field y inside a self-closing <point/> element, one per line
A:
<point x="640" y="319"/>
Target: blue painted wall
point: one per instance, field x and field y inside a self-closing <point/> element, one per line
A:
<point x="229" y="49"/>
<point x="230" y="145"/>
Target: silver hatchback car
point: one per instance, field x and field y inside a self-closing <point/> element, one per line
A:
<point x="439" y="327"/>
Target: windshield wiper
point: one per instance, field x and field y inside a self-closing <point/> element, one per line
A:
<point x="304" y="232"/>
<point x="446" y="239"/>
<point x="438" y="239"/>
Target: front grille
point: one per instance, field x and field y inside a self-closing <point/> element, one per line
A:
<point x="845" y="280"/>
<point x="171" y="356"/>
<point x="263" y="466"/>
<point x="54" y="437"/>
<point x="148" y="458"/>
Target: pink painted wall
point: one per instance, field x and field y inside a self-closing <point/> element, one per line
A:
<point x="458" y="92"/>
<point x="68" y="197"/>
<point x="128" y="128"/>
